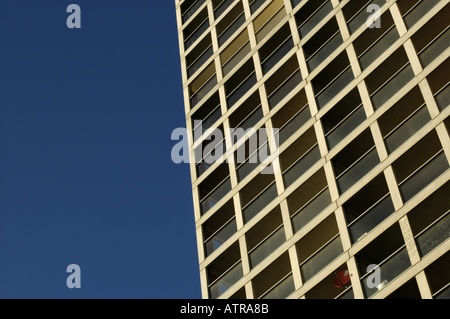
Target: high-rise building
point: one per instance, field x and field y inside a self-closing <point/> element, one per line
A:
<point x="346" y="105"/>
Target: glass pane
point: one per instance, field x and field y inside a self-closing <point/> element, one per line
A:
<point x="261" y="202"/>
<point x="394" y="85"/>
<point x="196" y="34"/>
<point x="435" y="49"/>
<point x="222" y="236"/>
<point x="424" y="177"/>
<point x="302" y="166"/>
<point x="314" y="20"/>
<point x="236" y="59"/>
<point x="371" y="219"/>
<point x="242" y="90"/>
<point x="346" y="127"/>
<point x="253" y="162"/>
<point x="443" y="98"/>
<point x="256" y="5"/>
<point x="278" y="55"/>
<point x="322" y="259"/>
<point x="198" y="64"/>
<point x="381" y="46"/>
<point x="445" y="294"/>
<point x="285" y="89"/>
<point x="358" y="171"/>
<point x="325" y="52"/>
<point x="283" y="290"/>
<point x="224" y="283"/>
<point x="223" y="6"/>
<point x="216" y="196"/>
<point x="434" y="236"/>
<point x="310" y="211"/>
<point x="231" y="30"/>
<point x="419" y="11"/>
<point x="192" y="10"/>
<point x="362" y="17"/>
<point x="261" y="34"/>
<point x="408" y="129"/>
<point x="337" y="86"/>
<point x="294" y="125"/>
<point x="268" y="247"/>
<point x="389" y="270"/>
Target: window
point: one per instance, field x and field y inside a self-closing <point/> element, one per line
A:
<point x="199" y="55"/>
<point x="240" y="83"/>
<point x="318" y="248"/>
<point x="309" y="200"/>
<point x="283" y="81"/>
<point x="368" y="208"/>
<point x="343" y="118"/>
<point x="404" y="119"/>
<point x="311" y="14"/>
<point x="420" y="166"/>
<point x="202" y="85"/>
<point x="322" y="44"/>
<point x="269" y="19"/>
<point x="355" y="161"/>
<point x="195" y="29"/>
<point x="388" y="251"/>
<point x="389" y="78"/>
<point x="276" y="48"/>
<point x="230" y="23"/>
<point x="332" y="80"/>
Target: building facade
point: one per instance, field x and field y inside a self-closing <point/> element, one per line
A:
<point x="340" y="186"/>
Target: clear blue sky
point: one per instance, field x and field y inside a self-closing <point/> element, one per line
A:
<point x="86" y="176"/>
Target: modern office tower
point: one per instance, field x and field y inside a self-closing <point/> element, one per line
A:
<point x="348" y="103"/>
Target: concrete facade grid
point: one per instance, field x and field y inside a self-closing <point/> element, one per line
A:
<point x="285" y="14"/>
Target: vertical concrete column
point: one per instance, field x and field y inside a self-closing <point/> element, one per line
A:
<point x="318" y="128"/>
<point x="424" y="287"/>
<point x="341" y="22"/>
<point x="311" y="97"/>
<point x="398" y="20"/>
<point x="365" y="97"/>
<point x="302" y="63"/>
<point x="288" y="6"/>
<point x="286" y="219"/>
<point x="429" y="98"/>
<point x="409" y="240"/>
<point x="249" y="290"/>
<point x="258" y="68"/>
<point x="244" y="255"/>
<point x="274" y="151"/>
<point x="331" y="180"/>
<point x="343" y="230"/>
<point x="379" y="142"/>
<point x="247" y="10"/>
<point x="393" y="188"/>
<point x="204" y="283"/>
<point x="178" y="12"/>
<point x="294" y="31"/>
<point x="293" y="257"/>
<point x="354" y="278"/>
<point x="229" y="156"/>
<point x="200" y="246"/>
<point x="445" y="139"/>
<point x="412" y="56"/>
<point x="238" y="211"/>
<point x="356" y="68"/>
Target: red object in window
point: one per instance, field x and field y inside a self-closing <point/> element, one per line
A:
<point x="341" y="279"/>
